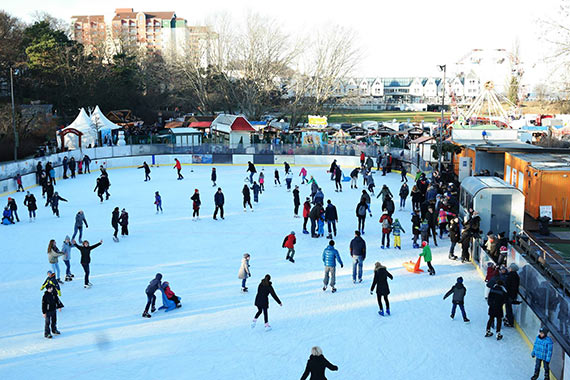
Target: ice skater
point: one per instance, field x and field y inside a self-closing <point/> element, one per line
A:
<point x="380" y="282"/>
<point x="178" y="167"/>
<point x="458" y="290"/>
<point x="358" y="254"/>
<point x="289" y="243"/>
<point x="496" y="299"/>
<point x="152" y="287"/>
<point x="296" y="201"/>
<point x="51" y="280"/>
<point x="386" y="222"/>
<point x="115" y="223"/>
<point x="264" y="289"/>
<point x="13" y="206"/>
<point x="397" y="230"/>
<point x="246" y="198"/>
<point x="196" y="203"/>
<point x="426" y="253"/>
<point x="66" y="249"/>
<point x="256" y="190"/>
<point x="306" y="212"/>
<point x="251" y="170"/>
<point x="31" y="204"/>
<point x="53" y="254"/>
<point x="213" y="177"/>
<point x="18" y="180"/>
<point x="289" y="179"/>
<point x="219" y="203"/>
<point x="331" y="217"/>
<point x="54" y="201"/>
<point x="276" y="180"/>
<point x="124" y="222"/>
<point x="158" y="202"/>
<point x="78" y="227"/>
<point x="330" y="258"/>
<point x="354" y="178"/>
<point x="303" y="175"/>
<point x="50" y="305"/>
<point x="317" y="364"/>
<point x="542" y="351"/>
<point x="261" y="181"/>
<point x="85" y="250"/>
<point x="146" y="171"/>
<point x="244" y="272"/>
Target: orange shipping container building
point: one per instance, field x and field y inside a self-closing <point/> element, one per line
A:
<point x="544" y="179"/>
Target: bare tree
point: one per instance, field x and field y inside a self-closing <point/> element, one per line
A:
<point x="556" y="32"/>
<point x="330" y="58"/>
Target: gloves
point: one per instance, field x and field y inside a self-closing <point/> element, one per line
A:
<point x="341" y="265"/>
<point x="532" y="355"/>
<point x="371" y="293"/>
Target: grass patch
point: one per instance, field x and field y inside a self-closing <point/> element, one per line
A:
<point x="359" y="117"/>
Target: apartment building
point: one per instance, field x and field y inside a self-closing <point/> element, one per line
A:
<point x="90" y="31"/>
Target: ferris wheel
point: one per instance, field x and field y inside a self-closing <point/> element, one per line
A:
<point x="490" y="106"/>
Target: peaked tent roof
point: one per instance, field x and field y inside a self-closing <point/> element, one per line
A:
<point x="100" y="120"/>
<point x="231" y="123"/>
<point x="82" y="122"/>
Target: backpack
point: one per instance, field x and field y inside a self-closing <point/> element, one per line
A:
<point x="386" y="223"/>
<point x="361" y="210"/>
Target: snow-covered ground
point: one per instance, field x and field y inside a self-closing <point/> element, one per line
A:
<point x="104" y="335"/>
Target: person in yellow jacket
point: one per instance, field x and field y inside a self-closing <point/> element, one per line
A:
<point x="51" y="280"/>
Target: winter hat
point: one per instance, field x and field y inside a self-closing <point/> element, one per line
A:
<point x="460" y="280"/>
<point x="424" y="243"/>
<point x="514" y="267"/>
<point x="490" y="264"/>
<point x="307" y="199"/>
<point x="292" y="232"/>
<point x="396" y="220"/>
<point x="49" y="272"/>
<point x="544" y="330"/>
<point x="503" y="268"/>
<point x="246" y="255"/>
<point x="195" y="190"/>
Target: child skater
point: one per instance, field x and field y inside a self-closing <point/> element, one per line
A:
<point x="458" y="290"/>
<point x="397" y="230"/>
<point x="158" y="202"/>
<point x="261" y="182"/>
<point x="170" y="294"/>
<point x="244" y="272"/>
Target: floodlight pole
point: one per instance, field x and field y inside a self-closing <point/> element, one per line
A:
<point x="439" y="143"/>
<point x="16" y="142"/>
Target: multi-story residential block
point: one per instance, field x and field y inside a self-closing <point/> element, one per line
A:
<point x="90" y="31"/>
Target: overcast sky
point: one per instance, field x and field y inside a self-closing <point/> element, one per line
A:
<point x="398" y="38"/>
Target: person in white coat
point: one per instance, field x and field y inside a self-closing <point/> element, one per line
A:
<point x="244" y="272"/>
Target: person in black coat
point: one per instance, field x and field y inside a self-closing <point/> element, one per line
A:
<point x="264" y="289"/>
<point x="296" y="201"/>
<point x="332" y="169"/>
<point x="380" y="282"/>
<point x="331" y="217"/>
<point x="246" y="198"/>
<point x="314" y="215"/>
<point x="496" y="299"/>
<point x="54" y="201"/>
<point x="124" y="222"/>
<point x="85" y="250"/>
<point x="512" y="284"/>
<point x="152" y="287"/>
<point x="361" y="208"/>
<point x="31" y="204"/>
<point x="72" y="166"/>
<point x="251" y="170"/>
<point x="388" y="205"/>
<point x="146" y="171"/>
<point x="115" y="223"/>
<point x="50" y="304"/>
<point x="465" y="244"/>
<point x="49" y="191"/>
<point x="338" y="179"/>
<point x="316" y="365"/>
<point x="431" y="217"/>
<point x="219" y="203"/>
<point x="454" y="236"/>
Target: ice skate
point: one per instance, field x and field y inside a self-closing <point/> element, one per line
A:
<point x="387" y="311"/>
<point x="244" y="290"/>
<point x="146" y="315"/>
<point x="333" y="290"/>
<point x="153" y="309"/>
<point x="253" y="323"/>
<point x="488" y="334"/>
<point x="88" y="286"/>
<point x="324" y="288"/>
<point x="381" y="313"/>
<point x="267" y="327"/>
<point x="466" y="320"/>
<point x="56" y="332"/>
<point x="48" y="336"/>
<point x="499" y="336"/>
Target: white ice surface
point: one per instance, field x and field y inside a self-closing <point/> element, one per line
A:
<point x="104" y="336"/>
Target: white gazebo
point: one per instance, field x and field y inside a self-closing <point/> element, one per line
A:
<point x="82" y="124"/>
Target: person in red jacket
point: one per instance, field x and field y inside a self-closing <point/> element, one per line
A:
<point x="362" y="157"/>
<point x="170" y="294"/>
<point x="178" y="168"/>
<point x="492" y="271"/>
<point x="289" y="243"/>
<point x="306" y="211"/>
<point x="386" y="222"/>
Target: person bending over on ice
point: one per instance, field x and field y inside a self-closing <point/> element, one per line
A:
<point x="146" y="171"/>
<point x="264" y="289"/>
<point x="151" y="297"/>
<point x="316" y="365"/>
<point x="170" y="294"/>
<point x="380" y="282"/>
<point x="458" y="290"/>
<point x="289" y="243"/>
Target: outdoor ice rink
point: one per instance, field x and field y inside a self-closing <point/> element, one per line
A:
<point x="104" y="335"/>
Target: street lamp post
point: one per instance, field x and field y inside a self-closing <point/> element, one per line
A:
<point x="439" y="143"/>
<point x="16" y="142"/>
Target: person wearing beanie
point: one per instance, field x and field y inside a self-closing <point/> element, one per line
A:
<point x="492" y="272"/>
<point x="50" y="304"/>
<point x="244" y="271"/>
<point x="330" y="257"/>
<point x="386" y="222"/>
<point x="458" y="290"/>
<point x="397" y="230"/>
<point x="51" y="280"/>
<point x="196" y="203"/>
<point x="426" y="253"/>
<point x="152" y="287"/>
<point x="380" y="282"/>
<point x="542" y="351"/>
<point x="512" y="283"/>
<point x="502" y="257"/>
<point x="289" y="243"/>
<point x="264" y="289"/>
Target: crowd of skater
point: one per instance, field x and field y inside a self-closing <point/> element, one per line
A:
<point x="434" y="216"/>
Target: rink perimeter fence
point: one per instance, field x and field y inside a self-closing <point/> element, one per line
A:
<point x="347" y="157"/>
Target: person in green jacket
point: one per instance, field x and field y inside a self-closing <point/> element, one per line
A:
<point x="426" y="253"/>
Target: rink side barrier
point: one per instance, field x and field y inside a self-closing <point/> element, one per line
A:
<point x="8" y="185"/>
<point x="525" y="315"/>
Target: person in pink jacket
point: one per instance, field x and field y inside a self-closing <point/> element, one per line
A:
<point x="303" y="175"/>
<point x="442" y="220"/>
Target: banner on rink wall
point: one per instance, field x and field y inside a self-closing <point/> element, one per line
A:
<point x="202" y="159"/>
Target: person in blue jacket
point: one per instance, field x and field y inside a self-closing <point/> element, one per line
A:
<point x="330" y="257"/>
<point x="542" y="351"/>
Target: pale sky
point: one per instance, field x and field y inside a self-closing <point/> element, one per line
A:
<point x="398" y="38"/>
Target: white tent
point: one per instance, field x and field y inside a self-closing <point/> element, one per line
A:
<point x="101" y="122"/>
<point x="83" y="124"/>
